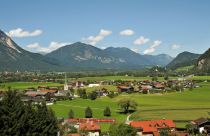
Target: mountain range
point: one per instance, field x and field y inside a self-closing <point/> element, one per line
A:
<point x="85" y="55"/>
<point x="81" y="56"/>
<point x="74" y="56"/>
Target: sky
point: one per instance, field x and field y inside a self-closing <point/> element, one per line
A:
<point x="145" y="26"/>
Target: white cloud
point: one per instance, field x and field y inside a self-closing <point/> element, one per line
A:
<point x="33" y="46"/>
<point x="141" y="40"/>
<point x="175" y="46"/>
<point x="93" y="40"/>
<point x="152" y="48"/>
<point x="52" y="46"/>
<point x="19" y="32"/>
<point x="127" y="32"/>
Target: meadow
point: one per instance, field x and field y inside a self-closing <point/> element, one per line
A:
<point x="25" y="85"/>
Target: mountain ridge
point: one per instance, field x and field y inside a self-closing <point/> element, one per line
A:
<point x="183" y="59"/>
<point x="112" y="57"/>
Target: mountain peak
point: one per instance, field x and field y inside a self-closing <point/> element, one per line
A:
<point x="7" y="41"/>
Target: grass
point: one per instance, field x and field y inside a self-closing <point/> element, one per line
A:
<point x="201" y="78"/>
<point x="183" y="69"/>
<point x="62" y="108"/>
<point x="25" y="85"/>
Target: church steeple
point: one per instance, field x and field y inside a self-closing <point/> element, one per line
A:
<point x="66" y="88"/>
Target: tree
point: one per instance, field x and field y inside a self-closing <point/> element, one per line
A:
<point x="25" y="119"/>
<point x="88" y="112"/>
<point x="71" y="114"/>
<point x="82" y="93"/>
<point x="112" y="94"/>
<point x="107" y="111"/>
<point x="179" y="87"/>
<point x="72" y="129"/>
<point x="12" y="114"/>
<point x="127" y="104"/>
<point x="164" y="132"/>
<point x="93" y="95"/>
<point x="154" y="78"/>
<point x="122" y="130"/>
<point x="166" y="77"/>
<point x="191" y="129"/>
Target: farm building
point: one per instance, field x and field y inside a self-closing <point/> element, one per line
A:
<point x="202" y="124"/>
<point x="153" y="127"/>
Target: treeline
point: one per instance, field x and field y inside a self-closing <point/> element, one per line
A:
<point x="21" y="119"/>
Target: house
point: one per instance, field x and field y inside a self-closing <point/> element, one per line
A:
<point x="152" y="127"/>
<point x="145" y="88"/>
<point x="158" y="85"/>
<point x="34" y="96"/>
<point x="126" y="89"/>
<point x="41" y="88"/>
<point x="92" y="128"/>
<point x="93" y="85"/>
<point x="79" y="84"/>
<point x="75" y="134"/>
<point x="201" y="124"/>
<point x="102" y="92"/>
<point x="62" y="94"/>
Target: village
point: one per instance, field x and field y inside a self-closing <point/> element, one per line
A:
<point x="91" y="126"/>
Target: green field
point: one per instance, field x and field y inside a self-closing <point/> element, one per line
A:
<point x="25" y="85"/>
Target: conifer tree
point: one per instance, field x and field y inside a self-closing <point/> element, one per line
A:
<point x="88" y="112"/>
<point x="107" y="111"/>
<point x="71" y="114"/>
<point x="19" y="119"/>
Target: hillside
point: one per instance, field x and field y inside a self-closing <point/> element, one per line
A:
<point x="203" y="62"/>
<point x="183" y="59"/>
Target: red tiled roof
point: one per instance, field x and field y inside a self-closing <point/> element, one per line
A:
<point x="159" y="85"/>
<point x="90" y="126"/>
<point x="153" y="125"/>
<point x="145" y="87"/>
<point x="48" y="91"/>
<point x="74" y="135"/>
<point x="124" y="87"/>
<point x="85" y="120"/>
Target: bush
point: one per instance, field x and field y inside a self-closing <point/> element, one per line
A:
<point x="93" y="95"/>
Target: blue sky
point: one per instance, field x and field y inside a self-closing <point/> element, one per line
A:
<point x="146" y="26"/>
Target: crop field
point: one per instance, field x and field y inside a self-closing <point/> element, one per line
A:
<point x="25" y="85"/>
